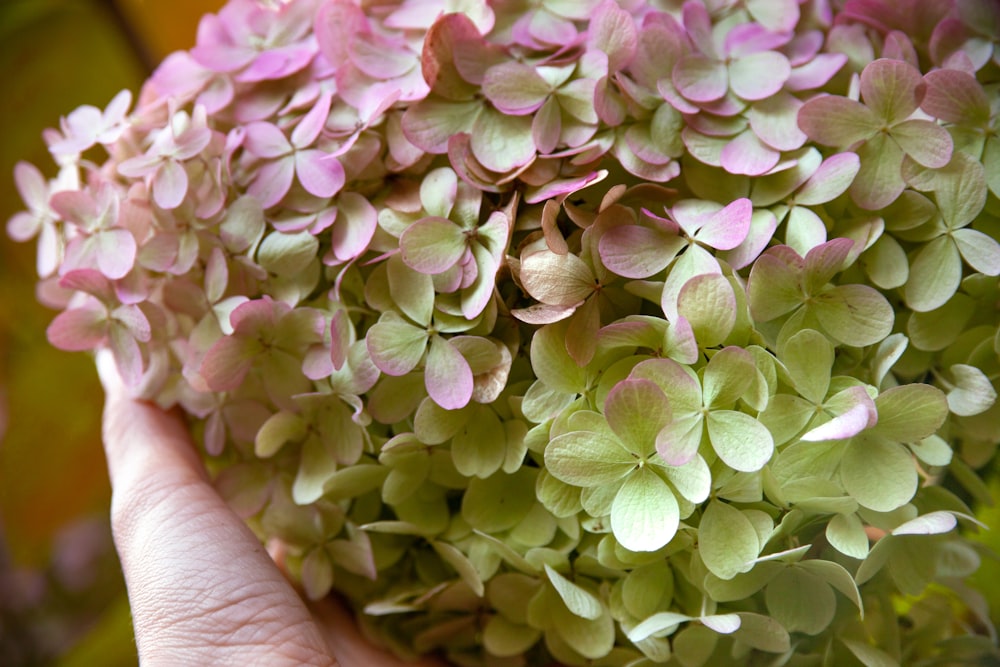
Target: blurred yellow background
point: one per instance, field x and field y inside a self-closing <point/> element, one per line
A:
<point x="62" y="601"/>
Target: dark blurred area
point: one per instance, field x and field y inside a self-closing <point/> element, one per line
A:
<point x="62" y="599"/>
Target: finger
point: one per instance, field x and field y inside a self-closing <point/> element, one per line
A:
<point x="202" y="588"/>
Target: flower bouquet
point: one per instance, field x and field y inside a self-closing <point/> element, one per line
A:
<point x="615" y="333"/>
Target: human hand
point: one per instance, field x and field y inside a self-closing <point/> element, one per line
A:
<point x="202" y="588"/>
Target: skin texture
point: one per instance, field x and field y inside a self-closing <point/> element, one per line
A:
<point x="202" y="588"/>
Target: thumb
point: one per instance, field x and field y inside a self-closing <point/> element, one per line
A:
<point x="202" y="588"/>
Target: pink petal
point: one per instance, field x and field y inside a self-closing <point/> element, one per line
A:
<point x="815" y="73"/>
<point x="75" y="206"/>
<point x="728" y="228"/>
<point x="613" y="31"/>
<point x="273" y="181"/>
<point x="78" y="329"/>
<point x="23" y="226"/>
<point x="379" y="58"/>
<point x="889" y="89"/>
<point x="762" y="227"/>
<point x="746" y="154"/>
<point x="354" y="227"/>
<point x="546" y="126"/>
<point x="252" y="317"/>
<point x="515" y="88"/>
<point x="698" y="25"/>
<point x="925" y="141"/>
<point x="700" y="79"/>
<point x="170" y="184"/>
<point x="824" y="261"/>
<point x="955" y="97"/>
<point x="127" y="355"/>
<point x="837" y="121"/>
<point x="776" y="15"/>
<point x="774" y="121"/>
<point x="749" y="38"/>
<point x="447" y="375"/>
<point x="134" y="321"/>
<point x="277" y="63"/>
<point x="430" y="124"/>
<point x="31" y="186"/>
<point x="830" y="180"/>
<point x="266" y="141"/>
<point x="319" y="173"/>
<point x="758" y="75"/>
<point x="857" y="418"/>
<point x="311" y="125"/>
<point x="116" y="251"/>
<point x="228" y="361"/>
<point x="139" y="166"/>
<point x="543" y="313"/>
<point x="89" y="281"/>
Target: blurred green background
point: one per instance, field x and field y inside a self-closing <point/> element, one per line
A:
<point x="62" y="600"/>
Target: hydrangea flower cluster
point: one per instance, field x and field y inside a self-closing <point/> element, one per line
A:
<point x="614" y="333"/>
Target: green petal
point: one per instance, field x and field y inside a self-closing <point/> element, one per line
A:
<point x="727" y="540"/>
<point x="879" y="181"/>
<point x="433" y="425"/>
<point x="636" y="411"/>
<point x="854" y="314"/>
<point x="412" y="292"/>
<point x="280" y="428"/>
<point x="500" y="501"/>
<point x="584" y="458"/>
<point x="763" y="633"/>
<point x="786" y="415"/>
<point x="808" y="356"/>
<point x="846" y="534"/>
<point x="728" y="376"/>
<point x="742" y="442"/>
<point x="559" y="280"/>
<point x="432" y="245"/>
<point x="579" y="601"/>
<point x="648" y="588"/>
<point x="935" y="274"/>
<point x="868" y="655"/>
<point x="678" y="382"/>
<point x="910" y="412"/>
<point x="708" y="303"/>
<point x="886" y="263"/>
<point x="644" y="515"/>
<point x="552" y="363"/>
<point x="657" y="623"/>
<point x="889" y="88"/>
<point x="286" y="254"/>
<point x="677" y="443"/>
<point x="460" y="562"/>
<point x="879" y="474"/>
<point x="593" y="639"/>
<point x="800" y="601"/>
<point x="506" y="639"/>
<point x="774" y="287"/>
<point x="693" y="480"/>
<point x="836" y="576"/>
<point x="316" y="467"/>
<point x="479" y="448"/>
